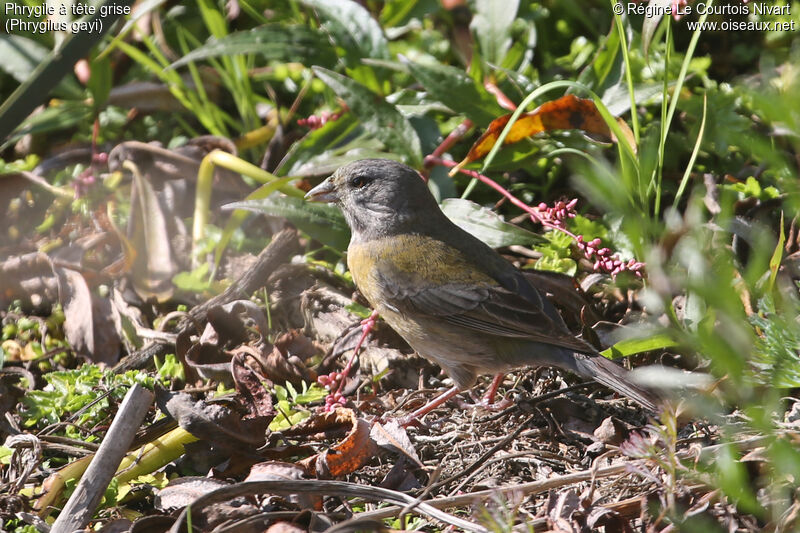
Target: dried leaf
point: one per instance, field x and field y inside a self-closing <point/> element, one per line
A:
<point x="212" y="422"/>
<point x="182" y="491"/>
<point x="567" y="113"/>
<point x="280" y="471"/>
<point x="281" y="364"/>
<point x="612" y="431"/>
<point x="249" y="384"/>
<point x="393" y="436"/>
<point x="88" y="326"/>
<point x="347" y="456"/>
<point x="561" y="509"/>
<point x="153" y="266"/>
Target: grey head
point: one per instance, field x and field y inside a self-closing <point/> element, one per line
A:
<point x="379" y="197"/>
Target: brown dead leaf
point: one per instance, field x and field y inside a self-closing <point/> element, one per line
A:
<point x="237" y="322"/>
<point x="393" y="436"/>
<point x="154" y="264"/>
<point x="281" y="364"/>
<point x="279" y="471"/>
<point x="566" y="113"/>
<point x="249" y="384"/>
<point x="347" y="456"/>
<point x="40" y="282"/>
<point x="181" y="492"/>
<point x="561" y="509"/>
<point x="210" y="362"/>
<point x="608" y="519"/>
<point x="213" y="422"/>
<point x="29" y="278"/>
<point x="612" y="431"/>
<point x="152" y="524"/>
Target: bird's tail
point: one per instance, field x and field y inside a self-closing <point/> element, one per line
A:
<point x="614" y="377"/>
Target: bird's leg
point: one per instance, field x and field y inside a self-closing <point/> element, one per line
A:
<point x="428" y="407"/>
<point x="491" y="392"/>
<point x="335" y="399"/>
<point x="488" y="400"/>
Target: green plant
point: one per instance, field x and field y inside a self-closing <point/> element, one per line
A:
<point x="289" y="399"/>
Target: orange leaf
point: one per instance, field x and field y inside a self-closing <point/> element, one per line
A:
<point x="567" y="113"/>
<point x="348" y="455"/>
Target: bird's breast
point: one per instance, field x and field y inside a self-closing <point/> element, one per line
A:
<point x="403" y="265"/>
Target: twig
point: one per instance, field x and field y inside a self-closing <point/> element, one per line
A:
<point x="483" y="458"/>
<point x="83" y="502"/>
<point x="282" y="246"/>
<point x="339" y="488"/>
<point x="530" y="402"/>
<point x="533" y="487"/>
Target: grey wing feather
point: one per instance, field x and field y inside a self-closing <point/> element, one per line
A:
<point x="489" y="309"/>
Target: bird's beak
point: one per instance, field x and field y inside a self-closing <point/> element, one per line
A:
<point x="324" y="192"/>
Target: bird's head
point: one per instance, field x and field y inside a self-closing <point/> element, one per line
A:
<point x="378" y="197"/>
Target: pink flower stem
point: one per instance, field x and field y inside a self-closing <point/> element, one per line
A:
<point x="532" y="211"/>
<point x="366" y="327"/>
<point x="504" y="101"/>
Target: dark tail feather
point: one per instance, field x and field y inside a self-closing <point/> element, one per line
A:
<point x="615" y="378"/>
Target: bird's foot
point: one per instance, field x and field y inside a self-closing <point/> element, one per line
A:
<point x="488" y="400"/>
<point x="414" y="417"/>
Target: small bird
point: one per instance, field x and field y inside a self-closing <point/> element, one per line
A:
<point x="454" y="299"/>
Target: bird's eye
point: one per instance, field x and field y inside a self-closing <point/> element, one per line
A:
<point x="358" y="181"/>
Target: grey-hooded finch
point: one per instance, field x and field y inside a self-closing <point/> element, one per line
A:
<point x="455" y="300"/>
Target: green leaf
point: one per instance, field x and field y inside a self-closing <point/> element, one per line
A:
<point x="444" y="81"/>
<point x="56" y="117"/>
<point x="194" y="281"/>
<point x="492" y="26"/>
<point x="378" y="117"/>
<point x="651" y="20"/>
<point x="777" y="255"/>
<point x="322" y="222"/>
<point x="22" y="55"/>
<point x="606" y="69"/>
<point x="273" y="42"/>
<point x="238" y="217"/>
<point x="552" y="262"/>
<point x="315" y="143"/>
<point x="314" y="393"/>
<point x="627" y="347"/>
<point x="353" y="28"/>
<point x="5" y="455"/>
<point x="733" y="479"/>
<point x="485" y="224"/>
<point x="100" y="81"/>
<point x="396" y="12"/>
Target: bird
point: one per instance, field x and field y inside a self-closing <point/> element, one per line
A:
<point x="454" y="299"/>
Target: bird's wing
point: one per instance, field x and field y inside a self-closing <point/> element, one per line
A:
<point x="483" y="306"/>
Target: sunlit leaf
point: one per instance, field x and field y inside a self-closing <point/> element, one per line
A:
<point x="322" y="222"/>
<point x="485" y="224"/>
<point x="627" y="347"/>
<point x="379" y="117"/>
<point x="443" y="81"/>
<point x="567" y="113"/>
<point x="492" y="25"/>
<point x="353" y="28"/>
<point x="275" y="42"/>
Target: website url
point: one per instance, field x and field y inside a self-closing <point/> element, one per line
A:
<point x="741" y="25"/>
